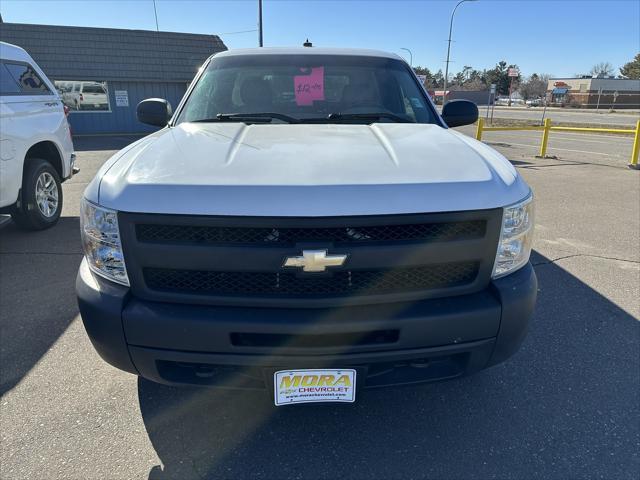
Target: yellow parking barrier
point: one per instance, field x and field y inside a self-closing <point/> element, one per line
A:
<point x="545" y="137"/>
<point x="479" y="129"/>
<point x="547" y="128"/>
<point x="593" y="130"/>
<point x="636" y="148"/>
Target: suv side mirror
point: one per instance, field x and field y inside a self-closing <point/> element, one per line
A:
<point x="154" y="111"/>
<point x="459" y="112"/>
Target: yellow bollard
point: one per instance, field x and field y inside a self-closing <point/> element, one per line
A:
<point x="545" y="138"/>
<point x="636" y="148"/>
<point x="479" y="129"/>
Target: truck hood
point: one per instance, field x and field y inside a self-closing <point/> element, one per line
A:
<point x="306" y="170"/>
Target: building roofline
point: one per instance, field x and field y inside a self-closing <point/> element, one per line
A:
<point x="112" y="29"/>
<point x="589" y="78"/>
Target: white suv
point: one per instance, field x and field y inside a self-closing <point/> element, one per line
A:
<point x="36" y="151"/>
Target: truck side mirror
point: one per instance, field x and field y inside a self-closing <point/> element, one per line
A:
<point x="154" y="111"/>
<point x="459" y="112"/>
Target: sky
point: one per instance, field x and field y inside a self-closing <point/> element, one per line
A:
<point x="561" y="38"/>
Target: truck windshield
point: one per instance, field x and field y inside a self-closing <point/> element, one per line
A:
<point x="308" y="89"/>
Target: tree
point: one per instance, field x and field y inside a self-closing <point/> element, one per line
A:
<point x="459" y="79"/>
<point x="422" y="71"/>
<point x="500" y="76"/>
<point x="535" y="86"/>
<point x="631" y="69"/>
<point x="469" y="79"/>
<point x="428" y="82"/>
<point x="438" y="79"/>
<point x="478" y="75"/>
<point x="475" y="84"/>
<point x="602" y="69"/>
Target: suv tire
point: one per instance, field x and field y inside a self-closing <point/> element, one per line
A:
<point x="40" y="198"/>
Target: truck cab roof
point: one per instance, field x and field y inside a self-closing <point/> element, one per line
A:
<point x="360" y="52"/>
<point x="9" y="51"/>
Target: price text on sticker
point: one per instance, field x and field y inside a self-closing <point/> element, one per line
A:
<point x="310" y="87"/>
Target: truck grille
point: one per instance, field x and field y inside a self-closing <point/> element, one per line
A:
<point x="239" y="260"/>
<point x="287" y="236"/>
<point x="289" y="284"/>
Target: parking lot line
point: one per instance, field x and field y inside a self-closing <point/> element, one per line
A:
<point x="558" y="148"/>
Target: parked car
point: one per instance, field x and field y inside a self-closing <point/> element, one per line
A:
<point x="86" y="96"/>
<point x="506" y="101"/>
<point x="36" y="151"/>
<point x="304" y="223"/>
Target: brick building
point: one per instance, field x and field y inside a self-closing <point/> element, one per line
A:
<point x="591" y="92"/>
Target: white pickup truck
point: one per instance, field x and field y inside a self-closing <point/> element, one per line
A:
<point x="36" y="151"/>
<point x="307" y="224"/>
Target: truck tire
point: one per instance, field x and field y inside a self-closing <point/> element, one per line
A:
<point x="40" y="198"/>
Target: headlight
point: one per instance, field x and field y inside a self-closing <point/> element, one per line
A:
<point x="101" y="242"/>
<point x="515" y="239"/>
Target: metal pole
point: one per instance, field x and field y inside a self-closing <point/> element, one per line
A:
<point x="260" y="42"/>
<point x="636" y="148"/>
<point x="155" y="13"/>
<point x="410" y="56"/>
<point x="446" y="68"/>
<point x="488" y="105"/>
<point x="510" y="89"/>
<point x="599" y="94"/>
<point x="479" y="129"/>
<point x="493" y="107"/>
<point x="160" y="60"/>
<point x="545" y="138"/>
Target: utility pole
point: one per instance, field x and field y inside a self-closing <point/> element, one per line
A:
<point x="260" y="42"/>
<point x="446" y="68"/>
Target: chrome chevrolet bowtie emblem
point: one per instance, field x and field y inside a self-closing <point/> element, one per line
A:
<point x="315" y="261"/>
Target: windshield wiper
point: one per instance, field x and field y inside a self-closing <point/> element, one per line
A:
<point x="265" y="117"/>
<point x="368" y="116"/>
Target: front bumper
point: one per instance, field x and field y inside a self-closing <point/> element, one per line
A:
<point x="240" y="347"/>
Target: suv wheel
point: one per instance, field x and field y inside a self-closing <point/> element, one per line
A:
<point x="41" y="197"/>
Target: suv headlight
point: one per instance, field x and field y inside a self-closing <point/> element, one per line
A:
<point x="515" y="238"/>
<point x="101" y="242"/>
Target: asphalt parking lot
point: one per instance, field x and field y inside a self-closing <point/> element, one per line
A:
<point x="565" y="406"/>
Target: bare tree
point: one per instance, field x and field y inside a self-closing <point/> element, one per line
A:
<point x="475" y="84"/>
<point x="535" y="86"/>
<point x="604" y="69"/>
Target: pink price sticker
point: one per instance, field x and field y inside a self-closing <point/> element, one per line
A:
<point x="310" y="87"/>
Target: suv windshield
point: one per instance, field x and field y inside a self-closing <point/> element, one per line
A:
<point x="307" y="88"/>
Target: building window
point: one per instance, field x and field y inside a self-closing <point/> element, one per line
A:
<point x="84" y="96"/>
<point x="558" y="95"/>
<point x="21" y="79"/>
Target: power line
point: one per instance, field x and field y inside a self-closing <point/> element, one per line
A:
<point x="239" y="31"/>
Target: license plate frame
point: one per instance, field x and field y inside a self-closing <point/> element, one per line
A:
<point x="314" y="385"/>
